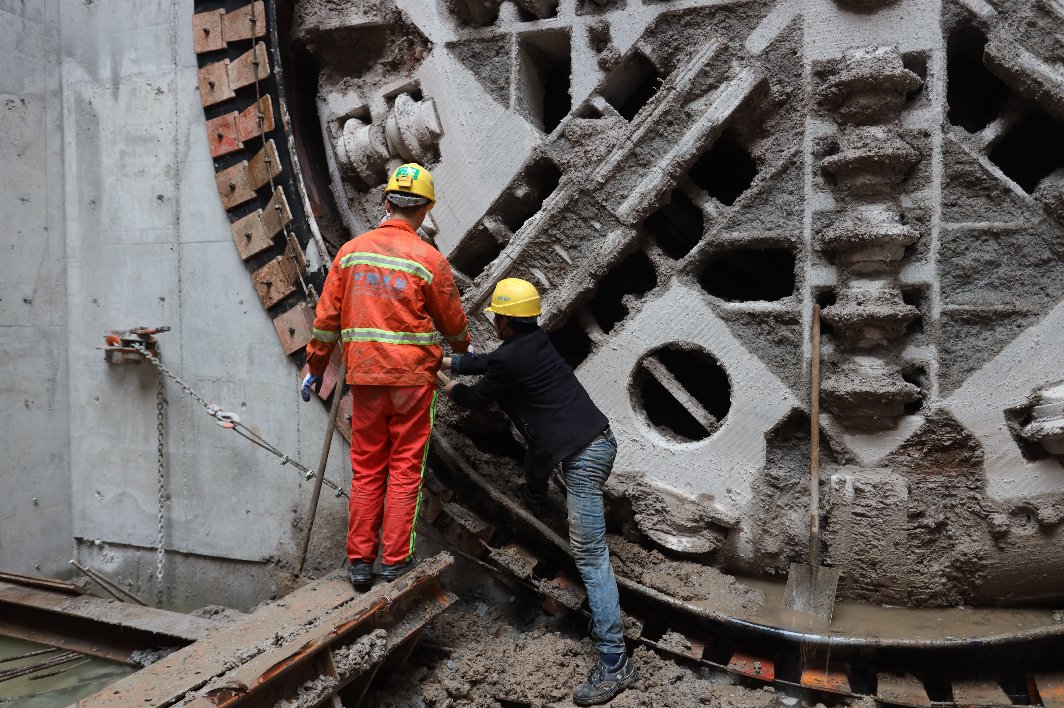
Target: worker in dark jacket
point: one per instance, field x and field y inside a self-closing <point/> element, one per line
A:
<point x="542" y="396"/>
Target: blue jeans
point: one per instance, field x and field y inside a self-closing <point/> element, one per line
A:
<point x="585" y="473"/>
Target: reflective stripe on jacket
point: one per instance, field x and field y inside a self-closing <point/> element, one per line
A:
<point x="386" y="294"/>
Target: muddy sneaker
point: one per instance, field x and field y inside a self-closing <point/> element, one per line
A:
<point x="604" y="684"/>
<point x="360" y="573"/>
<point x="536" y="502"/>
<point x="394" y="572"/>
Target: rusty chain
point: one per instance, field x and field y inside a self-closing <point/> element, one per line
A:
<point x="290" y="242"/>
<point x="232" y="422"/>
<point x="160" y="401"/>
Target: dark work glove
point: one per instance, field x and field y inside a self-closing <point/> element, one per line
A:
<point x="456" y="362"/>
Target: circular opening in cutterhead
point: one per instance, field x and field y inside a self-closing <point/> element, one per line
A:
<point x="682" y="392"/>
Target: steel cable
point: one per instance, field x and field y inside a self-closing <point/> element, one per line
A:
<point x="231" y="422"/>
<point x="160" y="401"/>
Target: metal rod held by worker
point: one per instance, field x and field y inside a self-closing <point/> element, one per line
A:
<point x="322" y="463"/>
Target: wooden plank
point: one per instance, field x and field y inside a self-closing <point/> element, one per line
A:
<point x="165" y="682"/>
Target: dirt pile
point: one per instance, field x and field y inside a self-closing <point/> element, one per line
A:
<point x="473" y="657"/>
<point x="683" y="580"/>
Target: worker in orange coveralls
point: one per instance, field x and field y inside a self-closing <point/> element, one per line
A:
<point x="386" y="291"/>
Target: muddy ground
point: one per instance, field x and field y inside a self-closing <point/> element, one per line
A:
<point x="498" y="648"/>
<point x="502" y="654"/>
<point x="487" y="654"/>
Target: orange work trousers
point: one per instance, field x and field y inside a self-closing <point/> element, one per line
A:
<point x="390" y="428"/>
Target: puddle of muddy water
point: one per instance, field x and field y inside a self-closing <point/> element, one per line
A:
<point x="885" y="622"/>
<point x="56" y="691"/>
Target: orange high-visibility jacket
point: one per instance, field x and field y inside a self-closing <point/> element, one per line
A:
<point x="385" y="290"/>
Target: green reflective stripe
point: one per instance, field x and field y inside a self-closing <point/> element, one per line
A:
<point x="424" y="464"/>
<point x="457" y="337"/>
<point x="375" y="259"/>
<point x="368" y="334"/>
<point x="325" y="336"/>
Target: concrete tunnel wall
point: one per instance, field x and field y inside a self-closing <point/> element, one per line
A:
<point x="113" y="220"/>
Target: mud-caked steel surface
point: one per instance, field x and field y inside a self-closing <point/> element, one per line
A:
<point x="92" y="625"/>
<point x="683" y="181"/>
<point x="315" y="641"/>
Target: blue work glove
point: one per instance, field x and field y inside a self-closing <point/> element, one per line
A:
<point x="308" y="381"/>
<point x="456" y="365"/>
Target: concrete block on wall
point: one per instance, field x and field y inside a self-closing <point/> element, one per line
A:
<point x="275" y="280"/>
<point x="242" y="72"/>
<point x="214" y="83"/>
<point x="223" y="136"/>
<point x="295" y="327"/>
<point x="207" y="33"/>
<point x="250" y="235"/>
<point x="274" y="219"/>
<point x="233" y="185"/>
<point x="237" y="25"/>
<point x="264" y="166"/>
<point x="247" y="123"/>
<point x="343" y="418"/>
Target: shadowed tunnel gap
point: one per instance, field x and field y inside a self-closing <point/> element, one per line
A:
<point x="724" y="171"/>
<point x="917" y="376"/>
<point x="476" y="252"/>
<point x="701" y="376"/>
<point x="526" y="195"/>
<point x="634" y="275"/>
<point x="974" y="95"/>
<point x="1031" y="150"/>
<point x="748" y="275"/>
<point x="547" y="70"/>
<point x="632" y="85"/>
<point x="572" y="342"/>
<point x="501" y="443"/>
<point x="522" y="200"/>
<point x="677" y="226"/>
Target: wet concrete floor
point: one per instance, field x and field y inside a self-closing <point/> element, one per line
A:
<point x="861" y="621"/>
<point x="88" y="677"/>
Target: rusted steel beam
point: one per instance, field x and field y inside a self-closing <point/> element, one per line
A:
<point x="333" y="638"/>
<point x="37" y="581"/>
<point x="92" y="625"/>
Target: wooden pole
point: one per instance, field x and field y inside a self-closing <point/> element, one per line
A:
<point x="322" y="463"/>
<point x="814" y="522"/>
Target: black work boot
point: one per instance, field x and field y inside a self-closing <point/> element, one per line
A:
<point x="603" y="684"/>
<point x="394" y="572"/>
<point x="534" y="501"/>
<point x="360" y="573"/>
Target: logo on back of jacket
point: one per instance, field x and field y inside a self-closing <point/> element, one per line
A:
<point x="392" y="287"/>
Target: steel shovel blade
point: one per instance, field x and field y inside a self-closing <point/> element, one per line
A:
<point x="811" y="591"/>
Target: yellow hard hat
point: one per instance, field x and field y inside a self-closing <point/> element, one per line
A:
<point x="414" y="180"/>
<point x="515" y="298"/>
